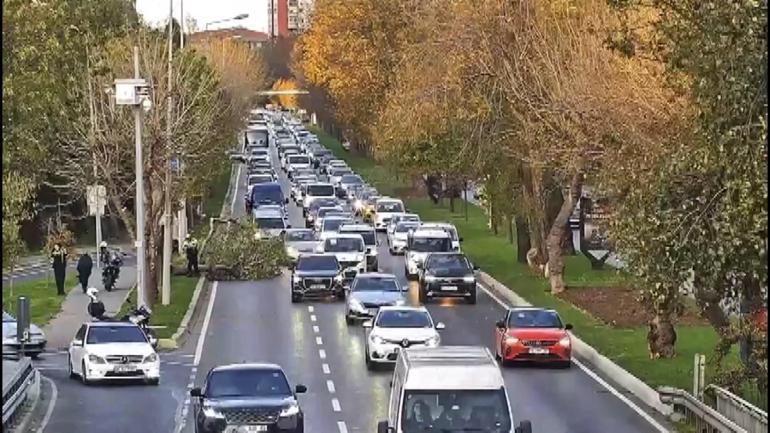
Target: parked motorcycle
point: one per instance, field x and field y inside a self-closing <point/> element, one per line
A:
<point x="138" y="316"/>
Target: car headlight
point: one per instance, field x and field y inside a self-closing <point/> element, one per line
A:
<point x="469" y="279"/>
<point x="373" y="252"/>
<point x="400" y="302"/>
<point x="96" y="359"/>
<point x="210" y="412"/>
<point x="292" y="252"/>
<point x="339" y="278"/>
<point x="511" y="340"/>
<point x="151" y="357"/>
<point x="376" y="339"/>
<point x="358" y="205"/>
<point x="433" y="341"/>
<point x="430" y="278"/>
<point x="356" y="305"/>
<point x="565" y="341"/>
<point x="310" y="217"/>
<point x="289" y="411"/>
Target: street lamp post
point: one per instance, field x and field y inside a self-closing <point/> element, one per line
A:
<point x="237" y="17"/>
<point x="167" y="222"/>
<point x="134" y="92"/>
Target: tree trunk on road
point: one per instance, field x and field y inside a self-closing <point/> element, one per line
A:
<point x="556" y="234"/>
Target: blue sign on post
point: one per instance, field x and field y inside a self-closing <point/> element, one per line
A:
<point x="174" y="164"/>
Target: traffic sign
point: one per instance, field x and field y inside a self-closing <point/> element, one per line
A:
<point x="97" y="199"/>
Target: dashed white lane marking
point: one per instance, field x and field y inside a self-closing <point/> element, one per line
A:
<point x="206" y="321"/>
<point x="322" y="353"/>
<point x="310" y="308"/>
<point x="598" y="379"/>
<point x="326" y="369"/>
<point x="316" y="329"/>
<point x="313" y="318"/>
<point x="330" y="386"/>
<point x="336" y="405"/>
<point x="343" y="428"/>
<point x="319" y="341"/>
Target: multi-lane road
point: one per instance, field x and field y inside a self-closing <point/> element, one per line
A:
<point x="255" y="321"/>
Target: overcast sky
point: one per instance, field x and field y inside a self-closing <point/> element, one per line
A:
<point x="203" y="11"/>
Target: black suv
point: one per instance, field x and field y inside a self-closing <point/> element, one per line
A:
<point x="448" y="275"/>
<point x="316" y="275"/>
<point x="241" y="395"/>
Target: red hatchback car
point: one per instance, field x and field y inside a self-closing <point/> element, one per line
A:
<point x="533" y="334"/>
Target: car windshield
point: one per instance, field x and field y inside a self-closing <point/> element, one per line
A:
<point x="115" y="334"/>
<point x="300" y="236"/>
<point x="317" y="204"/>
<point x="320" y="190"/>
<point x="317" y="263"/>
<point x="376" y="284"/>
<point x="300" y="159"/>
<point x="334" y="224"/>
<point x="452" y="262"/>
<point x="253" y="180"/>
<point x="430" y="245"/>
<point x="403" y="319"/>
<point x="368" y="235"/>
<point x="247" y="383"/>
<point x="270" y="223"/>
<point x="483" y="411"/>
<point x="341" y="245"/>
<point x="8" y="318"/>
<point x="534" y="319"/>
<point x="405" y="227"/>
<point x="323" y="211"/>
<point x="340" y="172"/>
<point x="390" y="206"/>
<point x="267" y="193"/>
<point x="352" y="179"/>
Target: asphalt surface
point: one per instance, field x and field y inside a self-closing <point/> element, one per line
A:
<point x="256" y="322"/>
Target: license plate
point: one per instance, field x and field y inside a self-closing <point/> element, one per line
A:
<point x="317" y="286"/>
<point x="538" y="350"/>
<point x="124" y="368"/>
<point x="449" y="288"/>
<point x="246" y="428"/>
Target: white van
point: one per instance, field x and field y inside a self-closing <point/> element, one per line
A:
<point x="448" y="388"/>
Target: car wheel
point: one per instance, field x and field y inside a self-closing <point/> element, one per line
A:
<point x="422" y="295"/>
<point x="369" y="364"/>
<point x="472" y="298"/>
<point x="300" y="426"/>
<point x="35" y="355"/>
<point x="84" y="375"/>
<point x="341" y="295"/>
<point x="566" y="364"/>
<point x="73" y="375"/>
<point x="154" y="381"/>
<point x="295" y="298"/>
<point x="348" y="320"/>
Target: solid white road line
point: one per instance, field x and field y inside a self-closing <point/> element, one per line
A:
<point x="206" y="321"/>
<point x="343" y="428"/>
<point x="310" y="308"/>
<point x="330" y="386"/>
<point x="313" y="318"/>
<point x="322" y="353"/>
<point x="598" y="379"/>
<point x="336" y="405"/>
<point x="319" y="341"/>
<point x="316" y="329"/>
<point x="51" y="405"/>
<point x="325" y="368"/>
<point x="235" y="188"/>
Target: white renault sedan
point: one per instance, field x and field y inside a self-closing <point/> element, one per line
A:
<point x="112" y="350"/>
<point x="396" y="328"/>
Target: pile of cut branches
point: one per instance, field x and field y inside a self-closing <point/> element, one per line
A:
<point x="235" y="251"/>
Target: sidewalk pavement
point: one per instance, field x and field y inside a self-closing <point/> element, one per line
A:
<point x="74" y="312"/>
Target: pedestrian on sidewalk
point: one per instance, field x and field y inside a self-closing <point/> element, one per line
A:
<point x="59" y="264"/>
<point x="85" y="265"/>
<point x="190" y="247"/>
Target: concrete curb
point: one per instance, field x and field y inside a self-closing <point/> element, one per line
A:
<point x="586" y="353"/>
<point x="173" y="342"/>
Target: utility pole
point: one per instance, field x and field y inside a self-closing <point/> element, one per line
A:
<point x="140" y="235"/>
<point x="181" y="24"/>
<point x="92" y="138"/>
<point x="182" y="214"/>
<point x="167" y="223"/>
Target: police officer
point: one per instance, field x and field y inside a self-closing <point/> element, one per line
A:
<point x="85" y="264"/>
<point x="190" y="247"/>
<point x="59" y="264"/>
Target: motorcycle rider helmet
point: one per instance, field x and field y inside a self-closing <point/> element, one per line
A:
<point x="92" y="292"/>
<point x="103" y="244"/>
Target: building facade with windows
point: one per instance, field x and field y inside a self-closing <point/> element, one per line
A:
<point x="288" y="17"/>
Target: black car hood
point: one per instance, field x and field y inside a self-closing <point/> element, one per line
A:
<point x="450" y="273"/>
<point x="265" y="402"/>
<point x="303" y="274"/>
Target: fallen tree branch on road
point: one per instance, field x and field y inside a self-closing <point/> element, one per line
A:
<point x="236" y="251"/>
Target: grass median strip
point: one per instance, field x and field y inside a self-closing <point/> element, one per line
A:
<point x="44" y="303"/>
<point x="627" y="346"/>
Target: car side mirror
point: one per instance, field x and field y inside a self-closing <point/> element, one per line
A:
<point x="475" y="267"/>
<point x="368" y="324"/>
<point x="568" y="326"/>
<point x="500" y="324"/>
<point x="440" y="326"/>
<point x="154" y="342"/>
<point x="288" y="226"/>
<point x="300" y="389"/>
<point x="459" y="239"/>
<point x="286" y="201"/>
<point x="383" y="427"/>
<point x="78" y="343"/>
<point x="196" y="392"/>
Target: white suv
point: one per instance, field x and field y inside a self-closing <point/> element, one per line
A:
<point x="112" y="350"/>
<point x="396" y="328"/>
<point x="384" y="209"/>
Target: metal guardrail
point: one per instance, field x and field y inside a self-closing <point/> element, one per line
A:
<point x="738" y="410"/>
<point x="16" y="389"/>
<point x="705" y="418"/>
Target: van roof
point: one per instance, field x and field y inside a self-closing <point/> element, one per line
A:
<point x="451" y="367"/>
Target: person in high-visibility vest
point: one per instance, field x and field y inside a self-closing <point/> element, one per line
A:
<point x="59" y="264"/>
<point x="190" y="247"/>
